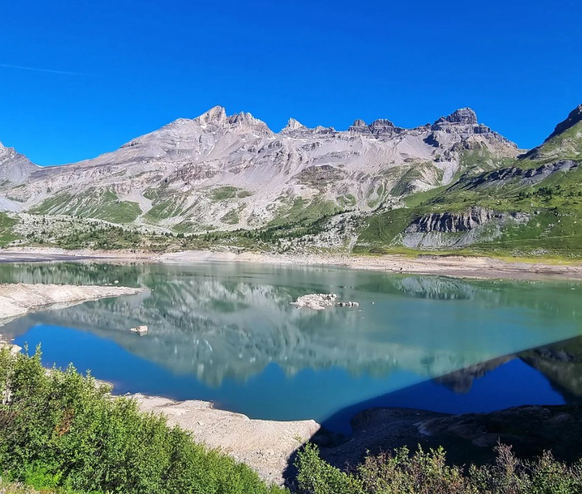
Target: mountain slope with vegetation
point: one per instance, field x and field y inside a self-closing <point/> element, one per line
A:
<point x="221" y="172"/>
<point x="230" y="182"/>
<point x="531" y="205"/>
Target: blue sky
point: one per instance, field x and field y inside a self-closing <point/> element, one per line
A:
<point x="116" y="69"/>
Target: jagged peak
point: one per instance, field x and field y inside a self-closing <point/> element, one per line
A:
<point x="382" y="122"/>
<point x="463" y="116"/>
<point x="293" y="124"/>
<point x="245" y="119"/>
<point x="359" y="127"/>
<point x="217" y="114"/>
<point x="574" y="117"/>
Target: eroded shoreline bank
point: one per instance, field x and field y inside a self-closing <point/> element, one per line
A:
<point x="19" y="299"/>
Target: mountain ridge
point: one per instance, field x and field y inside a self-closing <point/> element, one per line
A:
<point x="451" y="184"/>
<point x="185" y="161"/>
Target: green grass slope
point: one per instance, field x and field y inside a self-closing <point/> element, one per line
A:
<point x="544" y="185"/>
<point x="98" y="204"/>
<point x="7" y="234"/>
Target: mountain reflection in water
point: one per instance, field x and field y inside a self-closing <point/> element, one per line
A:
<point x="227" y="332"/>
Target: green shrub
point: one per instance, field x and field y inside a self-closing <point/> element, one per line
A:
<point x="428" y="473"/>
<point x="59" y="429"/>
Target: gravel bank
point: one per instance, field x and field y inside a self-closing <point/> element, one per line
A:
<point x="18" y="299"/>
<point x="264" y="445"/>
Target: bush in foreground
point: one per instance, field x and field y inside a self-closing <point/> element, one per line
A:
<point x="428" y="473"/>
<point x="62" y="431"/>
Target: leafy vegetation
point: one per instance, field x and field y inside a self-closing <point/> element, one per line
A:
<point x="101" y="204"/>
<point x="163" y="210"/>
<point x="228" y="192"/>
<point x="60" y="430"/>
<point x="305" y="211"/>
<point x="232" y="216"/>
<point x="429" y="473"/>
<point x="7" y="234"/>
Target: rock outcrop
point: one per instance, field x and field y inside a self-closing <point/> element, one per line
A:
<point x="574" y="117"/>
<point x="315" y="301"/>
<point x="458" y="229"/>
<point x="520" y="176"/>
<point x="452" y="222"/>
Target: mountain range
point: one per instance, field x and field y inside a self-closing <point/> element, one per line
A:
<point x="374" y="187"/>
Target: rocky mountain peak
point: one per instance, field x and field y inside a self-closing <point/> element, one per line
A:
<point x="382" y="127"/>
<point x="248" y="121"/>
<point x="463" y="116"/>
<point x="293" y="124"/>
<point x="215" y="115"/>
<point x="574" y="117"/>
<point x="359" y="127"/>
<point x="381" y="122"/>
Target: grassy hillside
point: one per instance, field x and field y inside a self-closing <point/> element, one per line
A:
<point x="544" y="186"/>
<point x="7" y="234"/>
<point x="103" y="205"/>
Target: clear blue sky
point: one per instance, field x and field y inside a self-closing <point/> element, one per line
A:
<point x="116" y="69"/>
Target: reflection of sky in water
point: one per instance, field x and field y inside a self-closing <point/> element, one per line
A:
<point x="228" y="333"/>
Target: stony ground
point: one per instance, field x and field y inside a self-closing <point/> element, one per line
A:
<point x="264" y="445"/>
<point x="467" y="438"/>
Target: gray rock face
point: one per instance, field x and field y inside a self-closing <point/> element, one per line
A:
<point x="448" y="229"/>
<point x="195" y="171"/>
<point x="574" y="117"/>
<point x="452" y="222"/>
<point x="463" y="116"/>
<point x="522" y="177"/>
<point x="14" y="167"/>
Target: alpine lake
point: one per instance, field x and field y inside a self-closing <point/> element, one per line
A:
<point x="227" y="333"/>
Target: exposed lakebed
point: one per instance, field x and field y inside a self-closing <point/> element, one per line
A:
<point x="229" y="334"/>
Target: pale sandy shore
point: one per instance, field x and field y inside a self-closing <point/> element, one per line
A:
<point x="18" y="299"/>
<point x="264" y="445"/>
<point x="454" y="266"/>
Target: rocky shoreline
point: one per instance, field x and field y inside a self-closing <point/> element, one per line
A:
<point x="267" y="446"/>
<point x="19" y="299"/>
<point x="437" y="265"/>
<point x="467" y="438"/>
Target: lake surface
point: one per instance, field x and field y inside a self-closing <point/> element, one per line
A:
<point x="228" y="333"/>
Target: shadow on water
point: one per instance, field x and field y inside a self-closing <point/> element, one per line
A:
<point x="547" y="376"/>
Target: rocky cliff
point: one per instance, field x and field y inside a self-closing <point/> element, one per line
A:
<point x="457" y="229"/>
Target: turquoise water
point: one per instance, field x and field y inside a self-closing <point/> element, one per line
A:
<point x="228" y="333"/>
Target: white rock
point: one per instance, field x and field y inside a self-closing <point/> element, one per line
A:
<point x="315" y="301"/>
<point x="141" y="330"/>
